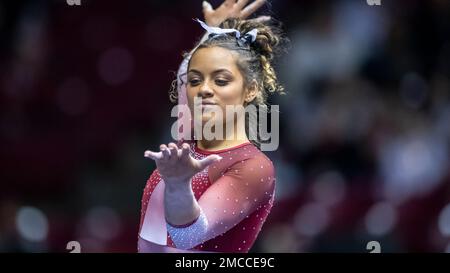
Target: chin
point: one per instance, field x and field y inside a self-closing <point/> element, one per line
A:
<point x="208" y="118"/>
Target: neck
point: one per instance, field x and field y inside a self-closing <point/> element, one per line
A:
<point x="214" y="145"/>
<point x="234" y="138"/>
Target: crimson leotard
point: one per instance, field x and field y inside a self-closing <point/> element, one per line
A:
<point x="235" y="193"/>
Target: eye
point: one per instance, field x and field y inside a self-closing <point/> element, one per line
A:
<point x="221" y="82"/>
<point x="194" y="82"/>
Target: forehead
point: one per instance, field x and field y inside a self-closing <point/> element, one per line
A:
<point x="213" y="58"/>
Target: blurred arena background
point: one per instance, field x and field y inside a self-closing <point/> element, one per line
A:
<point x="365" y="126"/>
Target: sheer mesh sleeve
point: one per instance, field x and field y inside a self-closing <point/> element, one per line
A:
<point x="239" y="191"/>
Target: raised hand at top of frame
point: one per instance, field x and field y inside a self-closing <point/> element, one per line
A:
<point x="231" y="9"/>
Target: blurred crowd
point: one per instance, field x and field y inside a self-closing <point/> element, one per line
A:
<point x="364" y="126"/>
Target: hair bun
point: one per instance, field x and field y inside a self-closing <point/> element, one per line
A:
<point x="269" y="37"/>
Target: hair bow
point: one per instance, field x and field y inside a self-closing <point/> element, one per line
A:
<point x="245" y="39"/>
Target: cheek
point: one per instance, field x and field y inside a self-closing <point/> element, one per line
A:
<point x="232" y="94"/>
<point x="190" y="94"/>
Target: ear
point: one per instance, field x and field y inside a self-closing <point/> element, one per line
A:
<point x="251" y="91"/>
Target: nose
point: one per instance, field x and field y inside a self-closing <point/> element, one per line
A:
<point x="205" y="91"/>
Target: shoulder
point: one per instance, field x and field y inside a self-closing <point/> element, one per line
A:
<point x="246" y="157"/>
<point x="253" y="166"/>
<point x="255" y="159"/>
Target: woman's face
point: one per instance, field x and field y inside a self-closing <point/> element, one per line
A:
<point x="214" y="77"/>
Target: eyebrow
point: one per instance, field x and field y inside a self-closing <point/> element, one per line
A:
<point x="217" y="71"/>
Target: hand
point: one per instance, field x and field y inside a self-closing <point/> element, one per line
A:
<point x="231" y="9"/>
<point x="176" y="165"/>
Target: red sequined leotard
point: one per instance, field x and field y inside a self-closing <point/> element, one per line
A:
<point x="236" y="195"/>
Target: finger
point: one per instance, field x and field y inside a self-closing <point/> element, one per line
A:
<point x="185" y="151"/>
<point x="179" y="150"/>
<point x="173" y="151"/>
<point x="205" y="162"/>
<point x="229" y="2"/>
<point x="261" y="19"/>
<point x="153" y="155"/>
<point x="165" y="152"/>
<point x="241" y="3"/>
<point x="250" y="9"/>
<point x="207" y="8"/>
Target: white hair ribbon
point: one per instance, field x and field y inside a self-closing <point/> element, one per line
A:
<point x="247" y="38"/>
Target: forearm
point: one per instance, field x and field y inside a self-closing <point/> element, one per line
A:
<point x="180" y="204"/>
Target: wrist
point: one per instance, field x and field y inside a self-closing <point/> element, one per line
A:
<point x="177" y="185"/>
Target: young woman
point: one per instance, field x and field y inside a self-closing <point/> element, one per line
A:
<point x="214" y="195"/>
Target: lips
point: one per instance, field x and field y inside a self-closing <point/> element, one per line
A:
<point x="206" y="106"/>
<point x="208" y="103"/>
